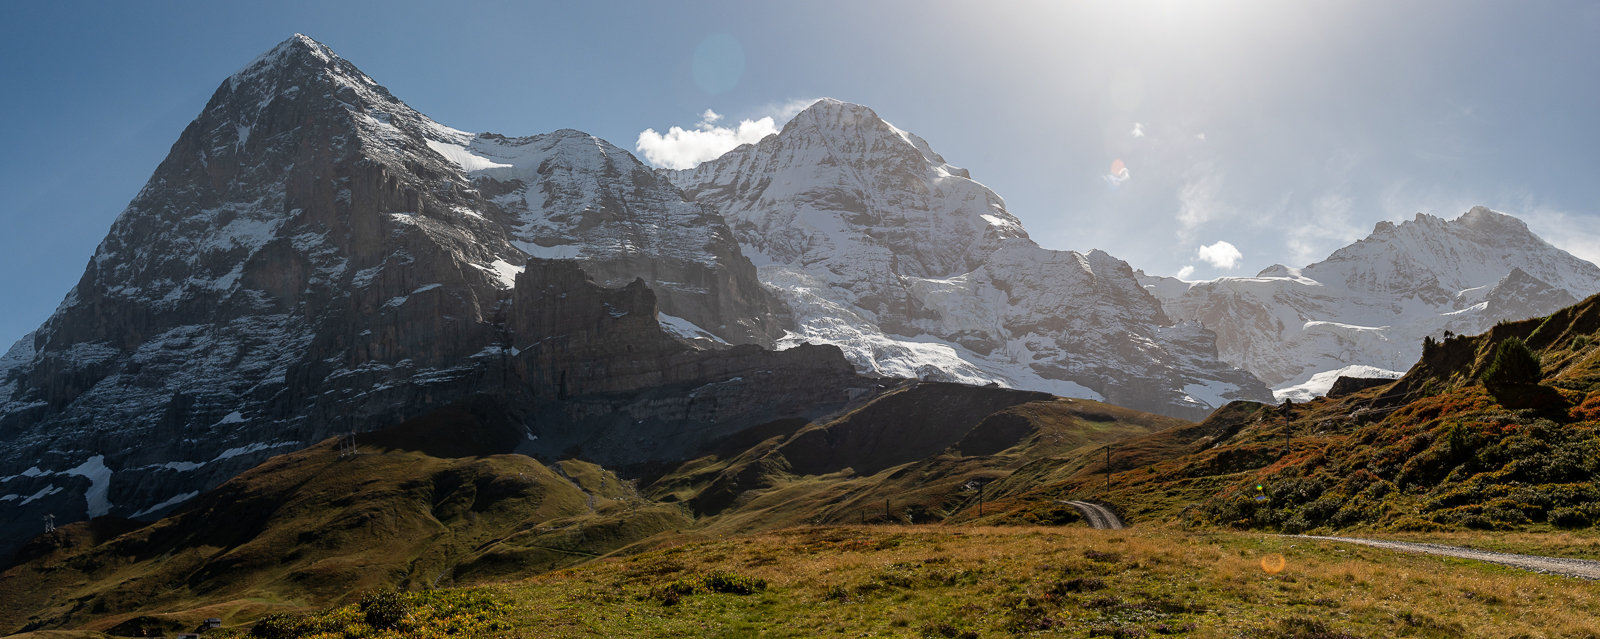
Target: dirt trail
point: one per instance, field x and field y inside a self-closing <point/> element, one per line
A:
<point x="1581" y="568"/>
<point x="1098" y="516"/>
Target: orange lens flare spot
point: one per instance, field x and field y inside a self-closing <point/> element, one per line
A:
<point x="1117" y="168"/>
<point x="1274" y="563"/>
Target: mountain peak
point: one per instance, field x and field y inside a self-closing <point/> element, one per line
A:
<point x="828" y="113"/>
<point x="1485" y="220"/>
<point x="861" y="128"/>
<point x="299" y="49"/>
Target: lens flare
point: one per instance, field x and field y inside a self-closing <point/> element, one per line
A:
<point x="1274" y="563"/>
<point x="1118" y="175"/>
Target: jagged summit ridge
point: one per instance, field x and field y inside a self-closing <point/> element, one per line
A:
<point x="879" y="245"/>
<point x="1372" y="302"/>
<point x="1473" y="250"/>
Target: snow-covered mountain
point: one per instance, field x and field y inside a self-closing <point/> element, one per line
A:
<point x="880" y="246"/>
<point x="314" y="256"/>
<point x="1370" y="304"/>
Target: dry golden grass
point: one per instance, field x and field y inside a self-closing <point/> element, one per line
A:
<point x="945" y="581"/>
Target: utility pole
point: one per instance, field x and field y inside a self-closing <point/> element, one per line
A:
<point x="887" y="514"/>
<point x="1108" y="468"/>
<point x="1286" y="408"/>
<point x="980" y="500"/>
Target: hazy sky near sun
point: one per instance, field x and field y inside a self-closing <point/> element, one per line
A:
<point x="1202" y="138"/>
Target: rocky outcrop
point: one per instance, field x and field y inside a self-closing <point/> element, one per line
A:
<point x="1371" y="303"/>
<point x="878" y="245"/>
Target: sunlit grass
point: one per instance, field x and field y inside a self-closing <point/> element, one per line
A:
<point x="979" y="582"/>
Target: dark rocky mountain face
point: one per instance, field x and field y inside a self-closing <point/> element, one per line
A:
<point x="313" y="257"/>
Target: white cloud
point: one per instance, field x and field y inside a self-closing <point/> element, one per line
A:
<point x="1138" y="130"/>
<point x="1200" y="136"/>
<point x="1199" y="202"/>
<point x="681" y="148"/>
<point x="1220" y="255"/>
<point x="1186" y="271"/>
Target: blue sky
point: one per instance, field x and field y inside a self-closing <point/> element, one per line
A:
<point x="1285" y="129"/>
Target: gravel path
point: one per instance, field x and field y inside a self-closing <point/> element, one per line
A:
<point x="1098" y="516"/>
<point x="1581" y="568"/>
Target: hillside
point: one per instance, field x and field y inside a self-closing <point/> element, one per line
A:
<point x="418" y="506"/>
<point x="917" y="454"/>
<point x="437" y="501"/>
<point x="1436" y="450"/>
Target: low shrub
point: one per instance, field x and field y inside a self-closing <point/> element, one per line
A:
<point x="385" y="610"/>
<point x="1076" y="584"/>
<point x="420" y="615"/>
<point x="722" y="582"/>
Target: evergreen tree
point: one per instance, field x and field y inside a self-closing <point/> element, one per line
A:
<point x="1514" y="363"/>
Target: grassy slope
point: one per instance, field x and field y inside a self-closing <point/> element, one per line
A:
<point x="915" y="455"/>
<point x="1434" y="452"/>
<point x="311" y="528"/>
<point x="941" y="581"/>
